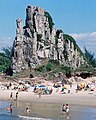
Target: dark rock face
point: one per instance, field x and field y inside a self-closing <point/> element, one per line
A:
<point x="38" y="40"/>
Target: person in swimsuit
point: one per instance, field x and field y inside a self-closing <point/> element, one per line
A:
<point x="63" y="108"/>
<point x="28" y="110"/>
<point x="9" y="108"/>
<point x="67" y="108"/>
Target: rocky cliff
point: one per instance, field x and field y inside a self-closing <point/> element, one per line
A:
<point x="38" y="40"/>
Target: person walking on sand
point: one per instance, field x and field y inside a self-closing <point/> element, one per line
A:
<point x="39" y="94"/>
<point x="11" y="95"/>
<point x="16" y="96"/>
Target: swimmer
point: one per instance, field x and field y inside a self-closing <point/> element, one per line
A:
<point x="9" y="108"/>
<point x="28" y="110"/>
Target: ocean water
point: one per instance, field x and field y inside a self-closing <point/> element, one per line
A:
<point x="41" y="111"/>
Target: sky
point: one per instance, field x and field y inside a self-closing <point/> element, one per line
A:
<point x="74" y="17"/>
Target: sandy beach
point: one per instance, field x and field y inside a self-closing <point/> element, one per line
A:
<point x="81" y="98"/>
<point x="48" y="106"/>
<point x="84" y="98"/>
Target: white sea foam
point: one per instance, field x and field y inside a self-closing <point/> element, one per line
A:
<point x="33" y="118"/>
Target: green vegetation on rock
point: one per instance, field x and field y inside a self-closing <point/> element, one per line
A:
<point x="71" y="39"/>
<point x="58" y="32"/>
<point x="50" y="20"/>
<point x="84" y="69"/>
<point x="65" y="52"/>
<point x="90" y="58"/>
<point x="51" y="68"/>
<point x="39" y="37"/>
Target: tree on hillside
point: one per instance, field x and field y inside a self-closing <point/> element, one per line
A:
<point x="8" y="52"/>
<point x="90" y="57"/>
<point x="5" y="60"/>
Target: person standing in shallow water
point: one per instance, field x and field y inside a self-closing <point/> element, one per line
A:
<point x="11" y="108"/>
<point x="63" y="108"/>
<point x="67" y="108"/>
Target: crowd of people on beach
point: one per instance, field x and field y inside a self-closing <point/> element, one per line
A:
<point x="41" y="88"/>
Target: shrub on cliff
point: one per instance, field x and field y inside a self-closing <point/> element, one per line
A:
<point x="50" y="20"/>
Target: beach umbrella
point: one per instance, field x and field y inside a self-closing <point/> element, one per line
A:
<point x="42" y="86"/>
<point x="27" y="85"/>
<point x="20" y="86"/>
<point x="65" y="87"/>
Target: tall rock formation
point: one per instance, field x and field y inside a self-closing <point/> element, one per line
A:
<point x="38" y="40"/>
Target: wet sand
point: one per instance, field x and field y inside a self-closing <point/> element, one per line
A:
<point x="53" y="111"/>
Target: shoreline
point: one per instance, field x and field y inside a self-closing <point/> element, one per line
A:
<point x="77" y="99"/>
<point x="48" y="107"/>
